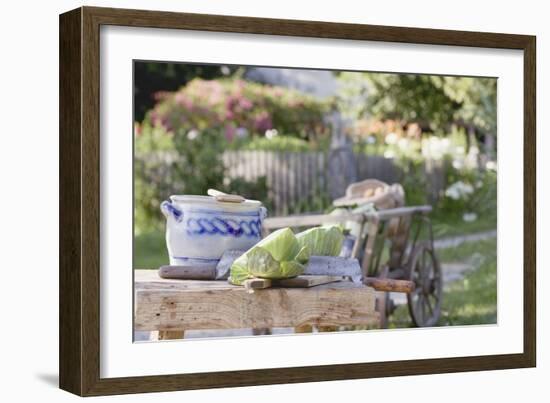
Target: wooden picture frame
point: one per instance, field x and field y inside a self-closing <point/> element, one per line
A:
<point x="80" y="199"/>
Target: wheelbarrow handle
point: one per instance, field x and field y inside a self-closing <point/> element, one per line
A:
<point x="389" y="285"/>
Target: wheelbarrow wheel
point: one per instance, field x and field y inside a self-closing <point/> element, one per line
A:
<point x="425" y="301"/>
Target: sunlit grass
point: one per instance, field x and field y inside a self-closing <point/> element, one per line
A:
<point x="448" y="226"/>
<point x="472" y="300"/>
<point x="150" y="251"/>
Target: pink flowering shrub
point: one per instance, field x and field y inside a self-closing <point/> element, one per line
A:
<point x="238" y="108"/>
<point x="179" y="146"/>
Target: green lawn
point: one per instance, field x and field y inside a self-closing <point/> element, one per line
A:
<point x="150" y="251"/>
<point x="472" y="300"/>
<point x="446" y="226"/>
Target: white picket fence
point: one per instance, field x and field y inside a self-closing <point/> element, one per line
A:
<point x="299" y="179"/>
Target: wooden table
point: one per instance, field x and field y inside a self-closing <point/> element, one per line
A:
<point x="173" y="306"/>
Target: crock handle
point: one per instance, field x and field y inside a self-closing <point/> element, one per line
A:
<point x="263" y="213"/>
<point x="169" y="210"/>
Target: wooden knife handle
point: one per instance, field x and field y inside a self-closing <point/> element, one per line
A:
<point x="188" y="273"/>
<point x="388" y="284"/>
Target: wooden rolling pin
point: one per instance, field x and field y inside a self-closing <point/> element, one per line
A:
<point x="188" y="273"/>
<point x="389" y="284"/>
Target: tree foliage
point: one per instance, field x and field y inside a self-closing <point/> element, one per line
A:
<point x="434" y="102"/>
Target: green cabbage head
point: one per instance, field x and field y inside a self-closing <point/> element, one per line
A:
<point x="283" y="254"/>
<point x="277" y="256"/>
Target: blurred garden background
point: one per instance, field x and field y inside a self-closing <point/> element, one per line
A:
<point x="295" y="139"/>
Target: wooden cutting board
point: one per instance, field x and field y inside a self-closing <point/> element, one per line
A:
<point x="295" y="282"/>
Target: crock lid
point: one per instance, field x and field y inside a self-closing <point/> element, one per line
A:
<point x="212" y="202"/>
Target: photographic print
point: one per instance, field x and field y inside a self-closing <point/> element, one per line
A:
<point x="299" y="191"/>
<point x="274" y="200"/>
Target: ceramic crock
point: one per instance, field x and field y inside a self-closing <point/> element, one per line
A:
<point x="200" y="228"/>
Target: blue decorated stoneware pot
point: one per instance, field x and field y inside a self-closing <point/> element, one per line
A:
<point x="200" y="228"/>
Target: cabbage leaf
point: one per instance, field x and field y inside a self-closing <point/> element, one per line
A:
<point x="322" y="241"/>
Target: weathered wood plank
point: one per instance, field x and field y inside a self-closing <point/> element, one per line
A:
<point x="175" y="305"/>
<point x="307" y="281"/>
<point x="294" y="282"/>
<point x="309" y="220"/>
<point x="257" y="284"/>
<point x="320" y="219"/>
